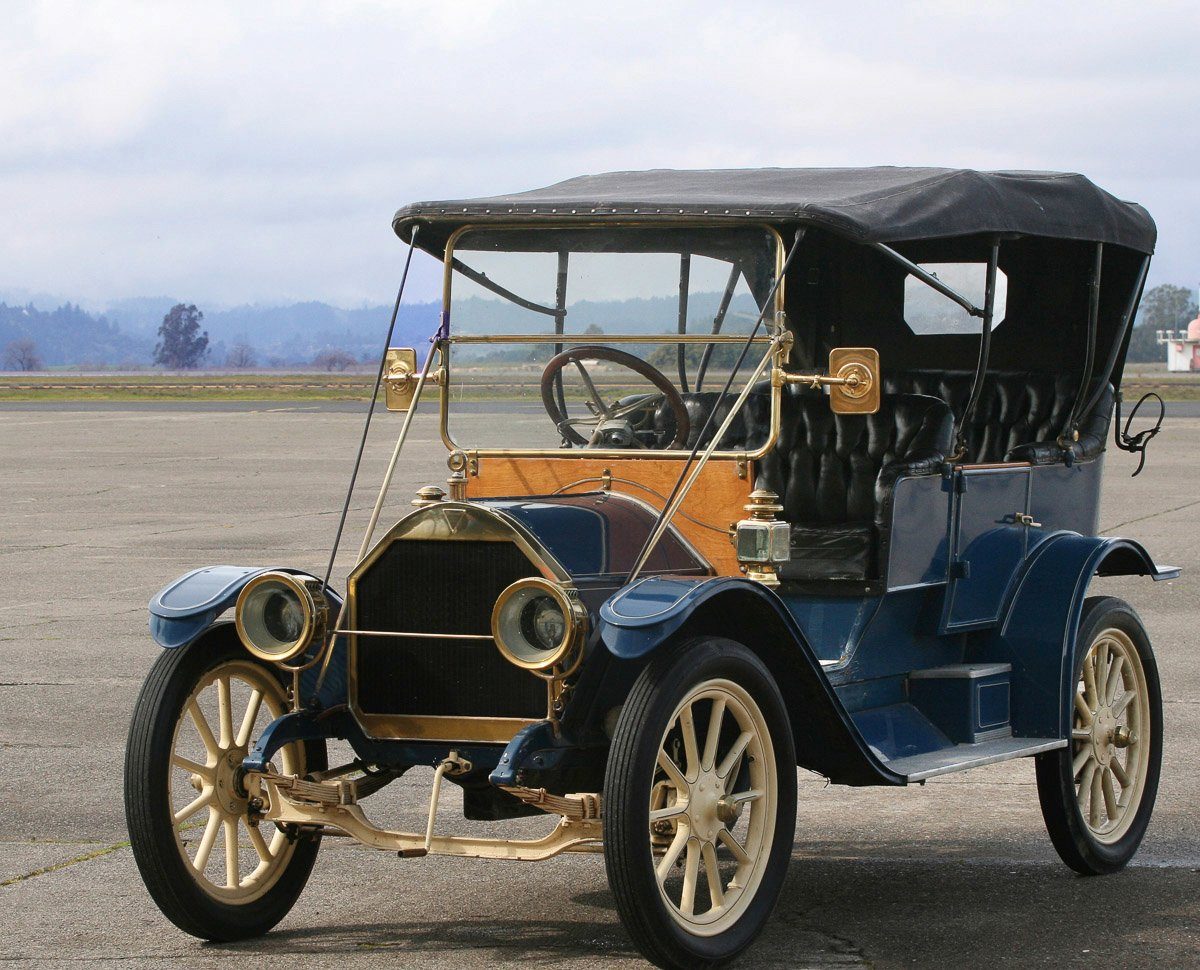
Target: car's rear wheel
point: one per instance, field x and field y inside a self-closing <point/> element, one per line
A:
<point x="699" y="803"/>
<point x="1097" y="794"/>
<point x="213" y="870"/>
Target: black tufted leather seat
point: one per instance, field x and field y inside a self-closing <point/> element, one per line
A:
<point x="835" y="473"/>
<point x="1019" y="415"/>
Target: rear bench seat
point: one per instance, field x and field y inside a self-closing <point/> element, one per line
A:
<point x="834" y="473"/>
<point x="1019" y="415"/>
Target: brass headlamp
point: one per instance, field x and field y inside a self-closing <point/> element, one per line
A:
<point x="539" y="626"/>
<point x="279" y="615"/>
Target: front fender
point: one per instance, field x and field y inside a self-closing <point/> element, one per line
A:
<point x="641" y="617"/>
<point x="187" y="608"/>
<point x="1037" y="633"/>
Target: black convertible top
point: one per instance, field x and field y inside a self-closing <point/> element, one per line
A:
<point x="883" y="204"/>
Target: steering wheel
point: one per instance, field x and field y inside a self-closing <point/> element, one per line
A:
<point x="619" y="423"/>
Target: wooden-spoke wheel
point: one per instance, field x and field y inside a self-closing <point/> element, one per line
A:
<point x="1110" y="735"/>
<point x="232" y="857"/>
<point x="715" y="795"/>
<point x="212" y="868"/>
<point x="1098" y="793"/>
<point x="700" y="803"/>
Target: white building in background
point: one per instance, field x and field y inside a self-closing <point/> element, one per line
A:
<point x="1183" y="347"/>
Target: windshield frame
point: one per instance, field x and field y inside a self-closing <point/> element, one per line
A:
<point x="774" y="319"/>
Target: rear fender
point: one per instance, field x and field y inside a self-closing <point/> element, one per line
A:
<point x="186" y="610"/>
<point x="640" y="618"/>
<point x="1037" y="633"/>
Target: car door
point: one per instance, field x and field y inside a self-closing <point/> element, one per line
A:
<point x="990" y="541"/>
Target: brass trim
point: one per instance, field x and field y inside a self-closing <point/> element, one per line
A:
<point x="574" y="616"/>
<point x="446" y="522"/>
<point x="606" y="338"/>
<point x="778" y="325"/>
<point x="312" y="602"/>
<point x="400" y="378"/>
<point x="428" y="727"/>
<point x="416" y="636"/>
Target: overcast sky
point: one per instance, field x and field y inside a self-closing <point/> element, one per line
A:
<point x="227" y="153"/>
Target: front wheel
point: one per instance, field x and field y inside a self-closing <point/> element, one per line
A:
<point x="700" y="803"/>
<point x="1097" y="794"/>
<point x="211" y="867"/>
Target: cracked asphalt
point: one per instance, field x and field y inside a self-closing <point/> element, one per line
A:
<point x="101" y="507"/>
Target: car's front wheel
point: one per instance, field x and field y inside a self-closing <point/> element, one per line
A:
<point x="699" y="803"/>
<point x="211" y="867"/>
<point x="1097" y="794"/>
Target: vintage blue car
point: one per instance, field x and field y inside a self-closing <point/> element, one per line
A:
<point x="748" y="471"/>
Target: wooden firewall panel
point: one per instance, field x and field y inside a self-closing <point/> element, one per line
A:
<point x="715" y="500"/>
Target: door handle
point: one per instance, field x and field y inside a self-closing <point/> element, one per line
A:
<point x="1025" y="519"/>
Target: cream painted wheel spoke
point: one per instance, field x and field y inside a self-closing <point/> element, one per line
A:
<point x="741" y="798"/>
<point x="1118" y="770"/>
<point x="233" y="876"/>
<point x="1081" y="759"/>
<point x="259" y="843"/>
<point x="206" y="735"/>
<point x="691" y="752"/>
<point x="1126" y="699"/>
<point x="691" y="875"/>
<point x="672" y="770"/>
<point x="1085" y="712"/>
<point x="1102" y="665"/>
<point x="1090" y="694"/>
<point x="671" y="856"/>
<point x="207" y="841"/>
<point x="725" y="837"/>
<point x="1081" y="734"/>
<point x="731" y="759"/>
<point x="1094" y="803"/>
<point x="179" y="761"/>
<point x="715" y="719"/>
<point x="671" y="811"/>
<point x="1085" y="783"/>
<point x="192" y="807"/>
<point x="252" y="709"/>
<point x="1114" y="680"/>
<point x="225" y="710"/>
<point x="716" y="892"/>
<point x="1110" y="796"/>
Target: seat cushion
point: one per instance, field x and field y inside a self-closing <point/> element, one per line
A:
<point x="1016" y="410"/>
<point x="821" y="552"/>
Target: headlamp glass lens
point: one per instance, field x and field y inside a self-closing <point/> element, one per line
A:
<point x="543" y="623"/>
<point x="283" y="615"/>
<point x="273" y="618"/>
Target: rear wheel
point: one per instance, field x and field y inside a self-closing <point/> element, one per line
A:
<point x="213" y="870"/>
<point x="700" y="804"/>
<point x="1097" y="794"/>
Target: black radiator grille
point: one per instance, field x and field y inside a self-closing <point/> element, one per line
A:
<point x="429" y="586"/>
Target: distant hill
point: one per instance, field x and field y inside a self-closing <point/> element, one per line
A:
<point x="69" y="335"/>
<point x="125" y="333"/>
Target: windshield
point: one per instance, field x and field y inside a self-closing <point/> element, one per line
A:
<point x="587" y="339"/>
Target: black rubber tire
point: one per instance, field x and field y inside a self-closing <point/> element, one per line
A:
<point x="1068" y="831"/>
<point x="148" y="812"/>
<point x="659" y="688"/>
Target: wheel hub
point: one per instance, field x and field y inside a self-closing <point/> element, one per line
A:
<point x="228" y="791"/>
<point x="705" y="806"/>
<point x="1104" y="731"/>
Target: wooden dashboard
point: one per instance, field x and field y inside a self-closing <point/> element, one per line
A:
<point x="711" y="507"/>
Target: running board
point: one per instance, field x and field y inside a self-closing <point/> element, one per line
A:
<point x="960" y="757"/>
